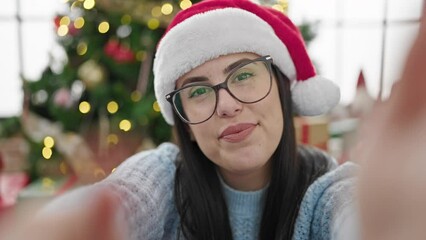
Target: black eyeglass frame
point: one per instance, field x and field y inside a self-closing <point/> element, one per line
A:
<point x="223" y="85"/>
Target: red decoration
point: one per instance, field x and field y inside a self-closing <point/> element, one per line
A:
<point x="119" y="52"/>
<point x="72" y="30"/>
<point x="57" y="21"/>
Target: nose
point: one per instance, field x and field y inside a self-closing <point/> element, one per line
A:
<point x="227" y="106"/>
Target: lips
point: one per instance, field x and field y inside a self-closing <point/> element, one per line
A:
<point x="237" y="133"/>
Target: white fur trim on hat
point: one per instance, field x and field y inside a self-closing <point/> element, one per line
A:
<point x="209" y="35"/>
<point x="314" y="96"/>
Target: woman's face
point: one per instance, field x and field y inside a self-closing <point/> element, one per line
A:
<point x="239" y="138"/>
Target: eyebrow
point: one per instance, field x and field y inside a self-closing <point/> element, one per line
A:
<point x="227" y="70"/>
<point x="234" y="65"/>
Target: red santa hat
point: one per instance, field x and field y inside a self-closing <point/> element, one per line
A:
<point x="213" y="28"/>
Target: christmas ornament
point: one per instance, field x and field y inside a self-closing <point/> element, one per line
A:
<point x="119" y="52"/>
<point x="62" y="98"/>
<point x="91" y="73"/>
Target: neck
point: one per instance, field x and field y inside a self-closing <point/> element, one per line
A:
<point x="247" y="181"/>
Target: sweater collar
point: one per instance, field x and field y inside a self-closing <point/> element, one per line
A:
<point x="244" y="203"/>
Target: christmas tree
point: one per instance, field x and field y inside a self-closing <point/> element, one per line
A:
<point x="98" y="104"/>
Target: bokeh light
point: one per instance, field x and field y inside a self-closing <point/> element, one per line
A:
<point x="103" y="27"/>
<point x="125" y="125"/>
<point x="167" y="9"/>
<point x="84" y="107"/>
<point x="184" y="4"/>
<point x="112" y="107"/>
<point x="49" y="142"/>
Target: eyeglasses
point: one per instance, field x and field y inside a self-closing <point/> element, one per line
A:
<point x="249" y="82"/>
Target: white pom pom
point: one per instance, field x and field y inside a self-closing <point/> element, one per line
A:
<point x="315" y="96"/>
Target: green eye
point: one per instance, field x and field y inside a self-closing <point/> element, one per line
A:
<point x="243" y="76"/>
<point x="198" y="91"/>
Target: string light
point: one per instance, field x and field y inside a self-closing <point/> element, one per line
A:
<point x="126" y="19"/>
<point x="49" y="142"/>
<point x="47" y="153"/>
<point x="63" y="168"/>
<point x="81" y="48"/>
<point x="62" y="30"/>
<point x="278" y="7"/>
<point x="184" y="4"/>
<point x="156" y="11"/>
<point x="156" y="107"/>
<point x="112" y="107"/>
<point x="65" y="20"/>
<point x="141" y="56"/>
<point x="136" y="96"/>
<point x="103" y="27"/>
<point x="84" y="107"/>
<point x="47" y="182"/>
<point x="112" y="139"/>
<point x="75" y="5"/>
<point x="89" y="4"/>
<point x="79" y="22"/>
<point x="125" y="125"/>
<point x="167" y="9"/>
<point x="153" y="23"/>
<point x="99" y="173"/>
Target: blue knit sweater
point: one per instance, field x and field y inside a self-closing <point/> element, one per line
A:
<point x="145" y="184"/>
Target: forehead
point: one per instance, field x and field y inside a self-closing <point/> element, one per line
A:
<point x="215" y="66"/>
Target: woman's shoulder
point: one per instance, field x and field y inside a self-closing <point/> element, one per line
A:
<point x="145" y="184"/>
<point x="326" y="197"/>
<point x="146" y="172"/>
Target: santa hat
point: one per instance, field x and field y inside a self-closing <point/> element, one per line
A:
<point x="213" y="28"/>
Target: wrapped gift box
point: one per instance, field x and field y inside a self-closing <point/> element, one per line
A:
<point x="11" y="183"/>
<point x="312" y="131"/>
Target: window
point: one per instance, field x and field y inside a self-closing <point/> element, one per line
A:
<point x="25" y="45"/>
<point x="353" y="36"/>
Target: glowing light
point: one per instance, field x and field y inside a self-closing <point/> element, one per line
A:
<point x="113" y="170"/>
<point x="141" y="56"/>
<point x="79" y="22"/>
<point x="47" y="153"/>
<point x="184" y="4"/>
<point x="278" y="7"/>
<point x="84" y="107"/>
<point x="103" y="27"/>
<point x="63" y="168"/>
<point x="156" y="11"/>
<point x="89" y="4"/>
<point x="125" y="125"/>
<point x="136" y="96"/>
<point x="156" y="107"/>
<point x="75" y="5"/>
<point x="65" y="21"/>
<point x="47" y="182"/>
<point x="112" y="139"/>
<point x="99" y="173"/>
<point x="167" y="9"/>
<point x="126" y="19"/>
<point x="62" y="30"/>
<point x="112" y="107"/>
<point x="49" y="142"/>
<point x="81" y="48"/>
<point x="153" y="23"/>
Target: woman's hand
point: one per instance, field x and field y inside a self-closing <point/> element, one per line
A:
<point x="89" y="214"/>
<point x="392" y="186"/>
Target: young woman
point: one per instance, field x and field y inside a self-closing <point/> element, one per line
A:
<point x="229" y="75"/>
